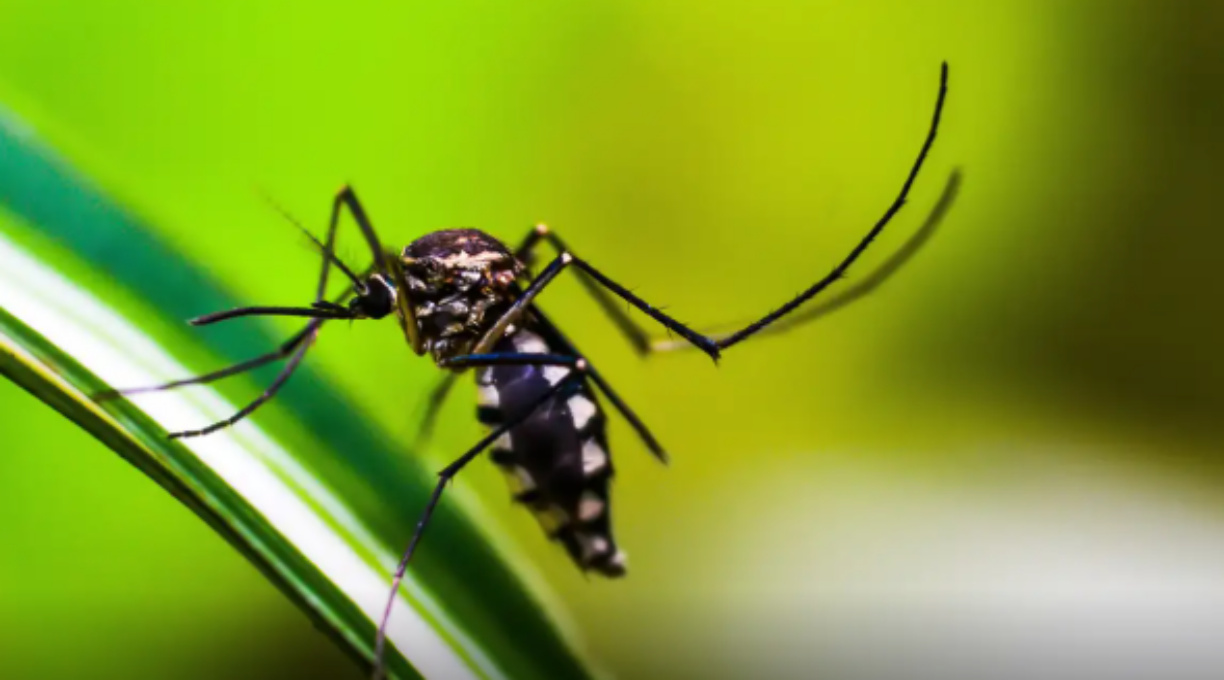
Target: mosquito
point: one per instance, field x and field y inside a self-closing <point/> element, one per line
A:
<point x="469" y="302"/>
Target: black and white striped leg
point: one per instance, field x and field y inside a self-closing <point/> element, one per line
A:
<point x="444" y="476"/>
<point x="714" y="345"/>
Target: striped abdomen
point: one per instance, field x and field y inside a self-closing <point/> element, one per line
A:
<point x="557" y="459"/>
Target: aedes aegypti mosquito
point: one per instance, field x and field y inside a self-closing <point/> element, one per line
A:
<point x="468" y="301"/>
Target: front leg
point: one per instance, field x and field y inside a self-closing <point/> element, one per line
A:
<point x="347" y="198"/>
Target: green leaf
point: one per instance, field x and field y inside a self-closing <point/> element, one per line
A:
<point x="321" y="503"/>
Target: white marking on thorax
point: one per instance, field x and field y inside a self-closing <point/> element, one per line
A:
<point x="465" y="260"/>
<point x="582" y="410"/>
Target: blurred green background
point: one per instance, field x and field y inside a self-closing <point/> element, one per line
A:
<point x="1026" y="419"/>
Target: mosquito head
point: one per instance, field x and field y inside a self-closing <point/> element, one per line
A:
<point x="374" y="300"/>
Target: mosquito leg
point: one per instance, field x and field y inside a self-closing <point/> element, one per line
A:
<point x="840" y="270"/>
<point x="572" y="361"/>
<point x="290" y="367"/>
<point x="443" y="478"/>
<point x="525" y="252"/>
<point x="440" y="391"/>
<point x="644" y="345"/>
<point x="511" y="359"/>
<point x="557" y="338"/>
<point x="524" y="302"/>
<point x="637" y="337"/>
<point x="861" y="288"/>
<point x="283" y="351"/>
<point x="549" y="273"/>
<point x="297" y="346"/>
<point x="627" y="413"/>
<point x="712" y="346"/>
<point x="320" y="311"/>
<point x="327" y="250"/>
<point x="347" y="198"/>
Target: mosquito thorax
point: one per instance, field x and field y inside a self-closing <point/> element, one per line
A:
<point x="458" y="281"/>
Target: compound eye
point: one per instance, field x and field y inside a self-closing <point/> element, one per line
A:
<point x="379" y="300"/>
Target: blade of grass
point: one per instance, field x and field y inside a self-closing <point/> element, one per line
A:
<point x="52" y="375"/>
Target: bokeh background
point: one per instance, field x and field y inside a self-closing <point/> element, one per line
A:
<point x="1005" y="463"/>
